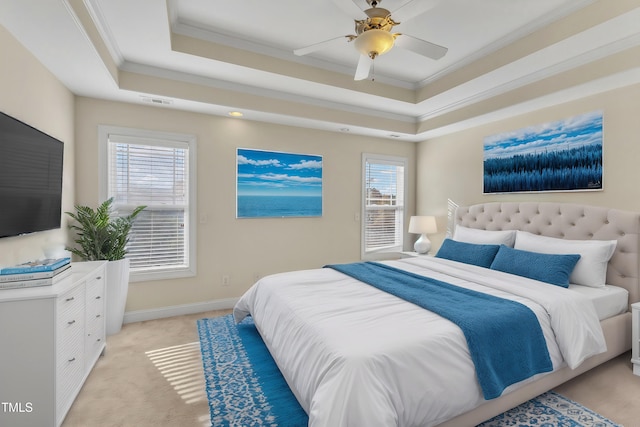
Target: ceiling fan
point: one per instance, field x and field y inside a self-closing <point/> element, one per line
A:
<point x="373" y="34"/>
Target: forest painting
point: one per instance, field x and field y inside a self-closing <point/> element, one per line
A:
<point x="564" y="155"/>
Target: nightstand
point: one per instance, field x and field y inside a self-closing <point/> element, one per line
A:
<point x="409" y="254"/>
<point x="635" y="337"/>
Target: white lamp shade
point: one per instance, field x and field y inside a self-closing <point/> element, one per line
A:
<point x="423" y="225"/>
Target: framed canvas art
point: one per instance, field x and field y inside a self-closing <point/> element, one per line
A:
<point x="277" y="184"/>
<point x="565" y="155"/>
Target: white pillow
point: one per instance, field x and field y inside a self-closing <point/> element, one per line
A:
<point x="484" y="237"/>
<point x="591" y="269"/>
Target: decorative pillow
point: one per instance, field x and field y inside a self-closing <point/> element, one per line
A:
<point x="550" y="268"/>
<point x="469" y="253"/>
<point x="591" y="270"/>
<point x="484" y="237"/>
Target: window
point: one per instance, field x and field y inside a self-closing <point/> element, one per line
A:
<point x="157" y="170"/>
<point x="383" y="204"/>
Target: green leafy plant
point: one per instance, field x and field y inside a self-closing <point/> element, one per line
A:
<point x="100" y="234"/>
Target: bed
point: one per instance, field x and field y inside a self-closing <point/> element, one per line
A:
<point x="354" y="355"/>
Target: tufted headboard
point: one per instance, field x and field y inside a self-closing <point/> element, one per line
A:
<point x="569" y="221"/>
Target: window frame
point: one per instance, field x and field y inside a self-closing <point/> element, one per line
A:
<point x="382" y="253"/>
<point x="148" y="137"/>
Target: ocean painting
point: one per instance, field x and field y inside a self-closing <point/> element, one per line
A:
<point x="276" y="184"/>
<point x="565" y="155"/>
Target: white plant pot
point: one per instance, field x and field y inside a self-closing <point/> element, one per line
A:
<point x="117" y="289"/>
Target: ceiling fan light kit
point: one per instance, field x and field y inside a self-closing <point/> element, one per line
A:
<point x="374" y="37"/>
<point x="374" y="42"/>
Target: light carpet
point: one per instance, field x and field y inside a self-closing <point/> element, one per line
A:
<point x="245" y="387"/>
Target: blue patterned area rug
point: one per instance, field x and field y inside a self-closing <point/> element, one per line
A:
<point x="245" y="387"/>
<point x="550" y="410"/>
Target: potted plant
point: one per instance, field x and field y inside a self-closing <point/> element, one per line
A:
<point x="103" y="236"/>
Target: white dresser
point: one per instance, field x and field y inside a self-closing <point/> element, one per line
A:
<point x="50" y="339"/>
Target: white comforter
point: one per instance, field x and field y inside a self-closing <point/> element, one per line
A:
<point x="356" y="356"/>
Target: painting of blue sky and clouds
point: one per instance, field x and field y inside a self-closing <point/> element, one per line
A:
<point x="276" y="184"/>
<point x="564" y="155"/>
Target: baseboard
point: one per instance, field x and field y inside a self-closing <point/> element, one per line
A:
<point x="179" y="310"/>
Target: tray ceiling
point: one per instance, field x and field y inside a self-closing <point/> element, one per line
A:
<point x="505" y="57"/>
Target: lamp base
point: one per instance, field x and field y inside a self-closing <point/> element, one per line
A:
<point x="422" y="245"/>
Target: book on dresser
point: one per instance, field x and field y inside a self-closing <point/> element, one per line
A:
<point x="40" y="266"/>
<point x="33" y="279"/>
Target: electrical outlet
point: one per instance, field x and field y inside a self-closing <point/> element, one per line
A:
<point x="225" y="280"/>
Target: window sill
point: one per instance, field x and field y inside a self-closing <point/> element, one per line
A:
<point x="161" y="275"/>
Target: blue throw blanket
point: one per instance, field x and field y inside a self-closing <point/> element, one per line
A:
<point x="505" y="340"/>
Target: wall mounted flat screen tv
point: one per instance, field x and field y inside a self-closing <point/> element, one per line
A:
<point x="30" y="179"/>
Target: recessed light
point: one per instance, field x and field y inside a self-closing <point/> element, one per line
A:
<point x="235" y="114"/>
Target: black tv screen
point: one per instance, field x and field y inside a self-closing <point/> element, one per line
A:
<point x="30" y="179"/>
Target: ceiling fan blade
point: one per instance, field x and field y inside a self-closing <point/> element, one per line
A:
<point x="421" y="47"/>
<point x="412" y="9"/>
<point x="317" y="46"/>
<point x="364" y="67"/>
<point x="349" y="8"/>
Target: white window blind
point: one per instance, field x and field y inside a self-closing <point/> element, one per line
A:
<point x="384" y="199"/>
<point x="154" y="173"/>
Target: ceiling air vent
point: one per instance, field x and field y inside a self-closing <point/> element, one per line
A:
<point x="158" y="101"/>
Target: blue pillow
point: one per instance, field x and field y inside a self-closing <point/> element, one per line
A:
<point x="550" y="268"/>
<point x="469" y="253"/>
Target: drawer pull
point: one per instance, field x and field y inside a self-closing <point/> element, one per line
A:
<point x="97" y="316"/>
<point x="70" y="299"/>
<point x="71" y="322"/>
<point x="72" y="359"/>
<point x="98" y="297"/>
<point x="99" y="277"/>
<point x="99" y="339"/>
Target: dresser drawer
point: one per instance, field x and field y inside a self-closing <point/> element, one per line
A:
<point x="70" y="324"/>
<point x="69" y="374"/>
<point x="95" y="333"/>
<point x="95" y="286"/>
<point x="95" y="325"/>
<point x="95" y="306"/>
<point x="71" y="309"/>
<point x="70" y="329"/>
<point x="70" y="303"/>
<point x="70" y="358"/>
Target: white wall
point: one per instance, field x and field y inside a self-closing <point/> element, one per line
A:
<point x="451" y="166"/>
<point x="242" y="248"/>
<point x="31" y="94"/>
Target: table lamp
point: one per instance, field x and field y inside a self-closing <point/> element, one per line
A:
<point x="422" y="225"/>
